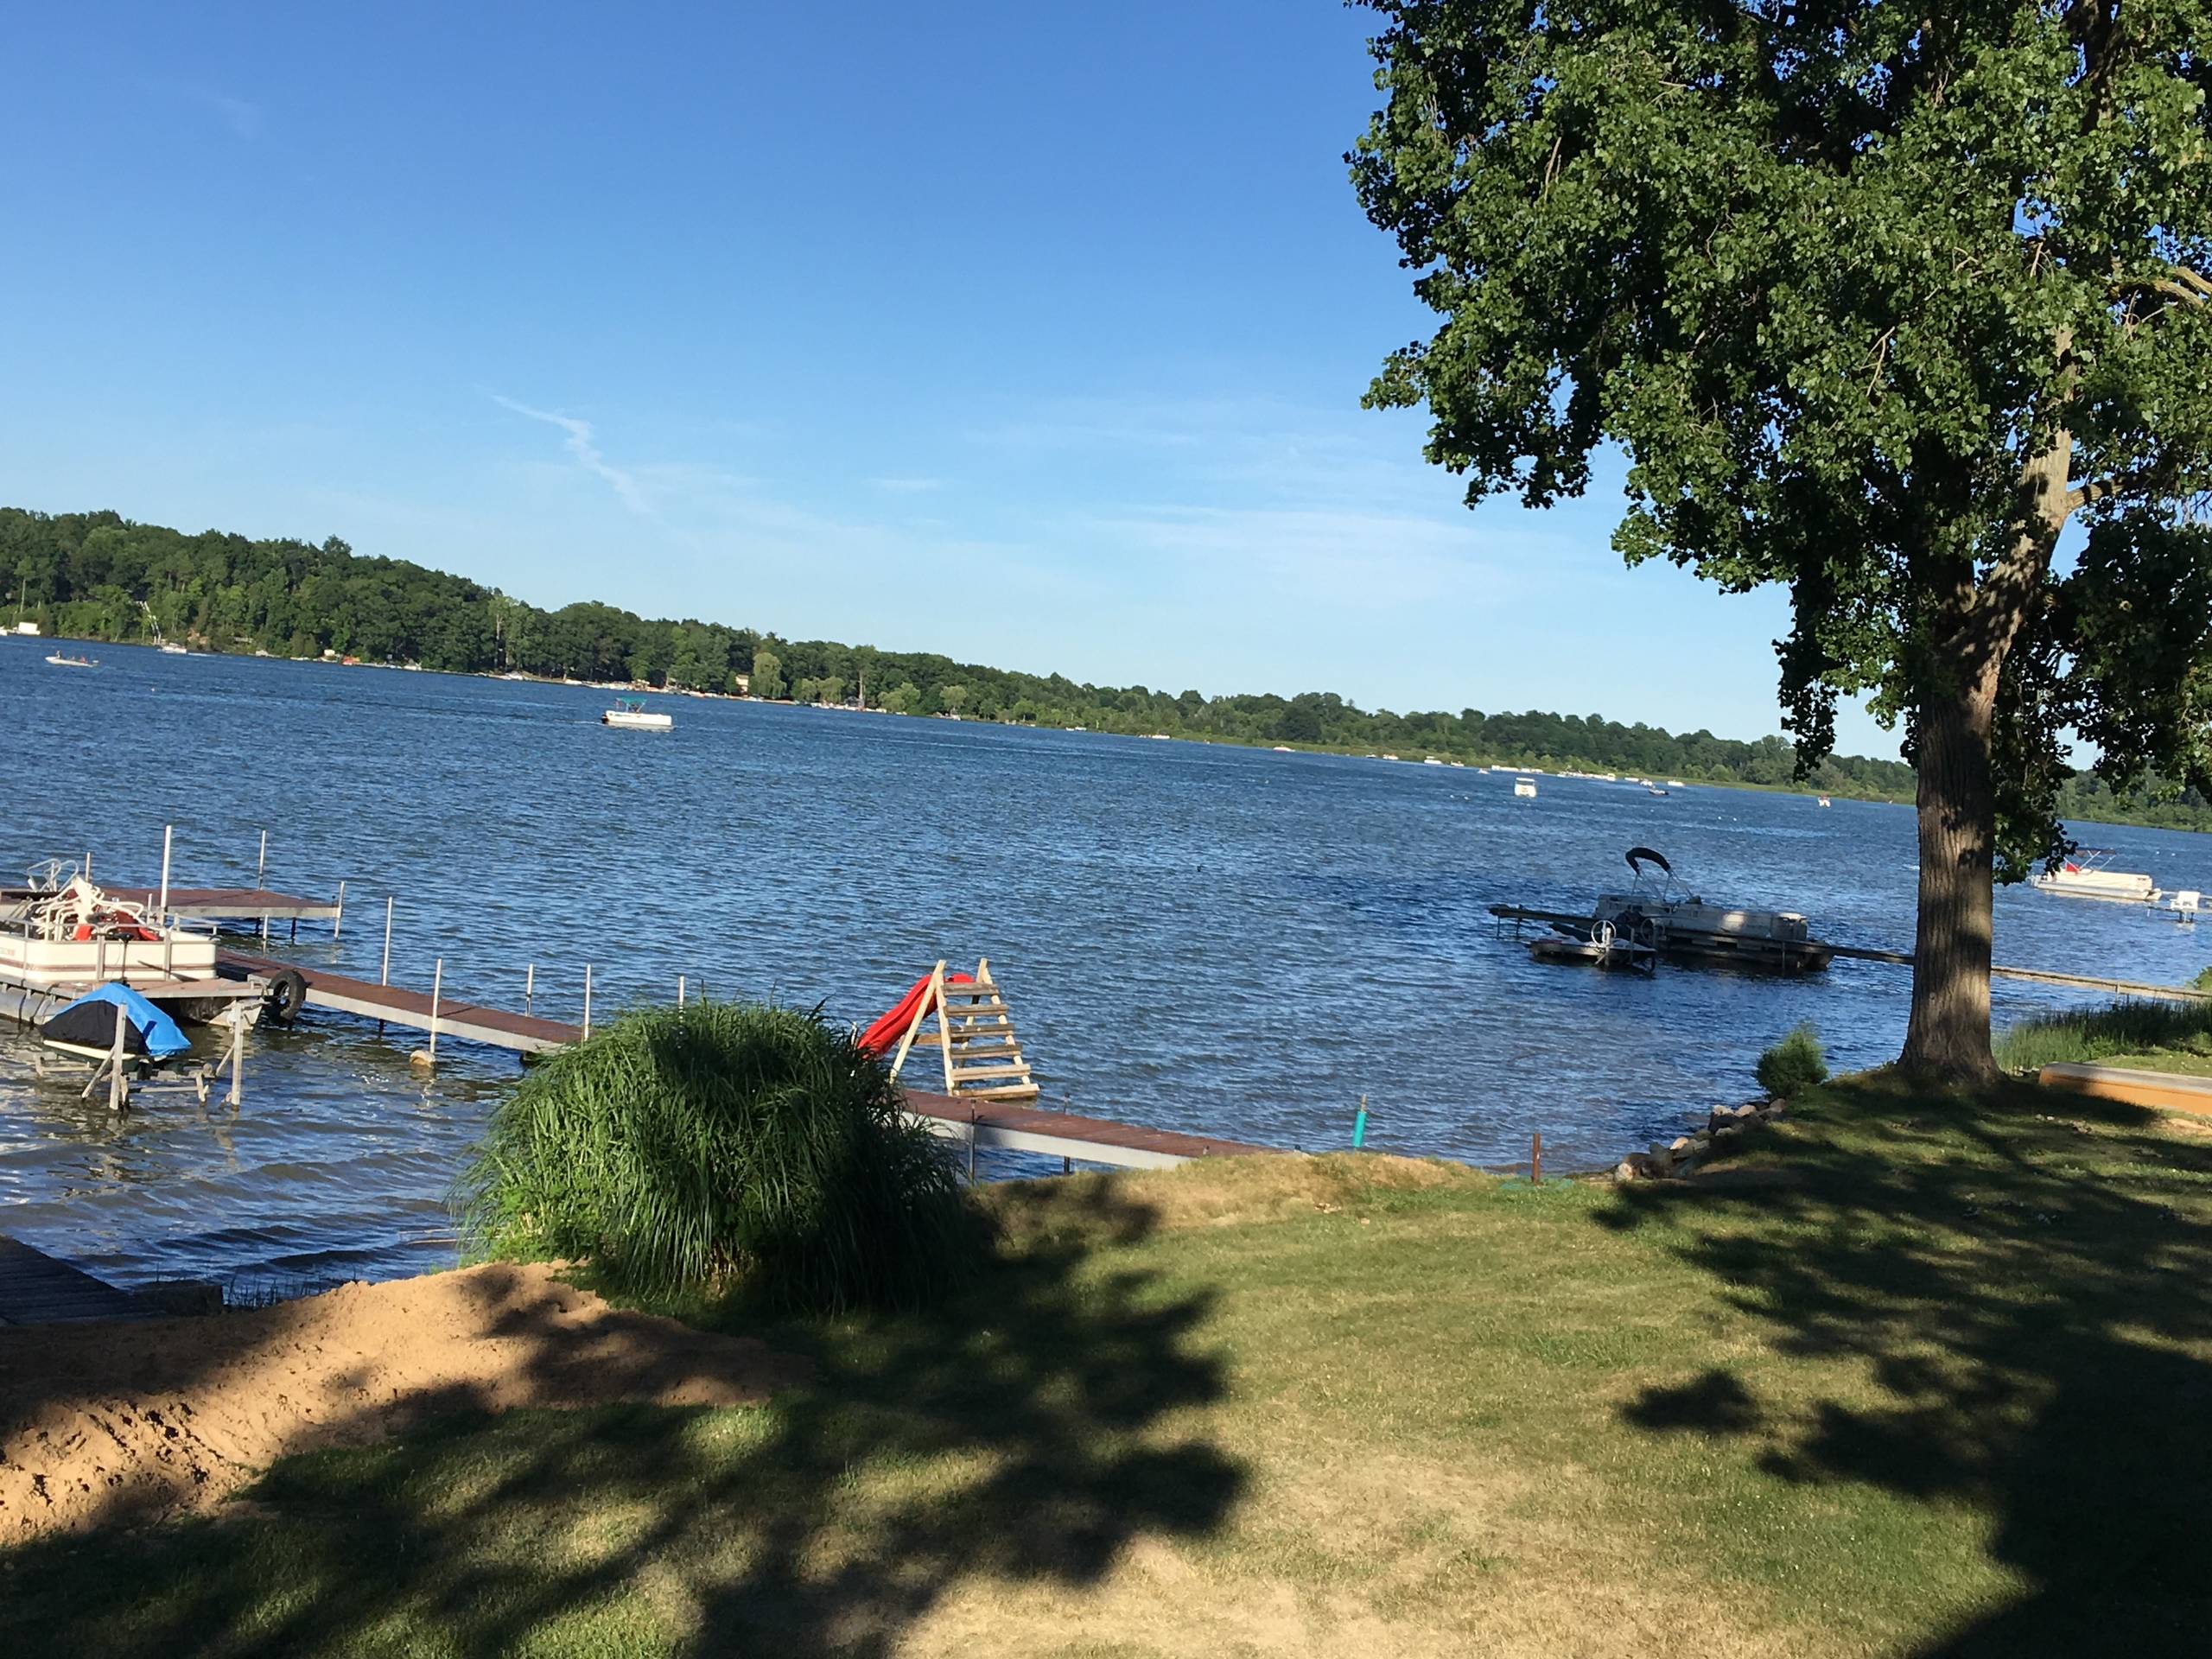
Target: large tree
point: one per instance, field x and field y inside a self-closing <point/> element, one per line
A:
<point x="1875" y="297"/>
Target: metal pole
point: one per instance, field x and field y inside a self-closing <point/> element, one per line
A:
<point x="385" y="978"/>
<point x="437" y="988"/>
<point x="115" y="1095"/>
<point x="1536" y="1159"/>
<point x="167" y="831"/>
<point x="679" y="990"/>
<point x="339" y="920"/>
<point x="587" y="1001"/>
<point x="238" y="1055"/>
<point x="261" y="870"/>
<point x="529" y="986"/>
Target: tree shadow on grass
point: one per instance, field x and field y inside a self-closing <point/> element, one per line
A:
<point x="1019" y="1435"/>
<point x="2029" y="1282"/>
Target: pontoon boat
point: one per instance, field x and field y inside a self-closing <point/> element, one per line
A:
<point x="2084" y="876"/>
<point x="1678" y="925"/>
<point x="632" y="715"/>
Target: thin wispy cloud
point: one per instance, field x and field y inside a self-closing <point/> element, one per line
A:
<point x="241" y="117"/>
<point x="583" y="447"/>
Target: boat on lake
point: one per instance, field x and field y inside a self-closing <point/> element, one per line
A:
<point x="1525" y="788"/>
<point x="2085" y="875"/>
<point x="60" y="939"/>
<point x="632" y="715"/>
<point x="60" y="660"/>
<point x="170" y="648"/>
<point x="1659" y="912"/>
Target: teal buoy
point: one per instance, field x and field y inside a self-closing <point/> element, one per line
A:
<point x="1359" y="1126"/>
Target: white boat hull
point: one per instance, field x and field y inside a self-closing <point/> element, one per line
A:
<point x="2116" y="885"/>
<point x="627" y="721"/>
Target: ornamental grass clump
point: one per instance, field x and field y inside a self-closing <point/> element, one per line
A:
<point x="1794" y="1064"/>
<point x="723" y="1144"/>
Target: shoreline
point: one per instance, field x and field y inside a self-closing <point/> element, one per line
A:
<point x="1552" y="766"/>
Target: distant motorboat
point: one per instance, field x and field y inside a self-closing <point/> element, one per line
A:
<point x="1653" y="789"/>
<point x="59" y="661"/>
<point x="1825" y="801"/>
<point x="2084" y="876"/>
<point x="1676" y="783"/>
<point x="170" y="648"/>
<point x="1431" y="761"/>
<point x="1525" y="788"/>
<point x="631" y="715"/>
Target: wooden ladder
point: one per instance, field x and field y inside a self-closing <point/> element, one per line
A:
<point x="974" y="1037"/>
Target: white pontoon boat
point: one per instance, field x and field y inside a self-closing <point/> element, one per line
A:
<point x="2084" y="876"/>
<point x="59" y="938"/>
<point x="632" y="715"/>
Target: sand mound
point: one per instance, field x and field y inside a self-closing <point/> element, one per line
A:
<point x="100" y="1422"/>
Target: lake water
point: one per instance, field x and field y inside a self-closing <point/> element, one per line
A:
<point x="1217" y="939"/>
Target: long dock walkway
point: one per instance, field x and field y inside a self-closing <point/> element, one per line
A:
<point x="396" y="1005"/>
<point x="36" y="1288"/>
<point x="981" y="1125"/>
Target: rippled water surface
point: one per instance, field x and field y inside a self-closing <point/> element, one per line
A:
<point x="1217" y="939"/>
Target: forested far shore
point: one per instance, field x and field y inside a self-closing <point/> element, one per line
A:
<point x="98" y="576"/>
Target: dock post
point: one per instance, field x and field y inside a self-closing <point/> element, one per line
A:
<point x="587" y="1001"/>
<point x="385" y="977"/>
<point x="529" y="987"/>
<point x="161" y="913"/>
<point x="679" y="990"/>
<point x="1536" y="1159"/>
<point x="117" y="1096"/>
<point x="261" y="870"/>
<point x="971" y="1146"/>
<point x="237" y="1056"/>
<point x="339" y="920"/>
<point x="437" y="990"/>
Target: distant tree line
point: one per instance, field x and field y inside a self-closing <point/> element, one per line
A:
<point x="98" y="576"/>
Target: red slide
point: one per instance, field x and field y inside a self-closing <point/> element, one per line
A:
<point x="883" y="1036"/>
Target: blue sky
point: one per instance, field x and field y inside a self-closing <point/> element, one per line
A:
<point x="1032" y="334"/>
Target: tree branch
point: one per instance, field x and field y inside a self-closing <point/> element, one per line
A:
<point x="2143" y="480"/>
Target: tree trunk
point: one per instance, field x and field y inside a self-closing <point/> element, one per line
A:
<point x="1947" y="1041"/>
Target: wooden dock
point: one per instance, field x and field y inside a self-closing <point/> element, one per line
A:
<point x="243" y="904"/>
<point x="979" y="1124"/>
<point x="395" y="1005"/>
<point x="1904" y="959"/>
<point x="36" y="1288"/>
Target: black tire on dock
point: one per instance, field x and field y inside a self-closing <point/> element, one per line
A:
<point x="286" y="995"/>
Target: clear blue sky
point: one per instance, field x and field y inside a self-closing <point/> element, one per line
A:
<point x="1030" y="334"/>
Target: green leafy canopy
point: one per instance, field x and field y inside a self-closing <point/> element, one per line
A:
<point x="1875" y="298"/>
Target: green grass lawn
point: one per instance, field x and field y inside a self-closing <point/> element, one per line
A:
<point x="2144" y="1035"/>
<point x="1909" y="1377"/>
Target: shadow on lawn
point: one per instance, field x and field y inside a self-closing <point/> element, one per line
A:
<point x="1014" y="1436"/>
<point x="2022" y="1304"/>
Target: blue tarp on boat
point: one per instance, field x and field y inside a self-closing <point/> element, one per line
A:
<point x="89" y="1022"/>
